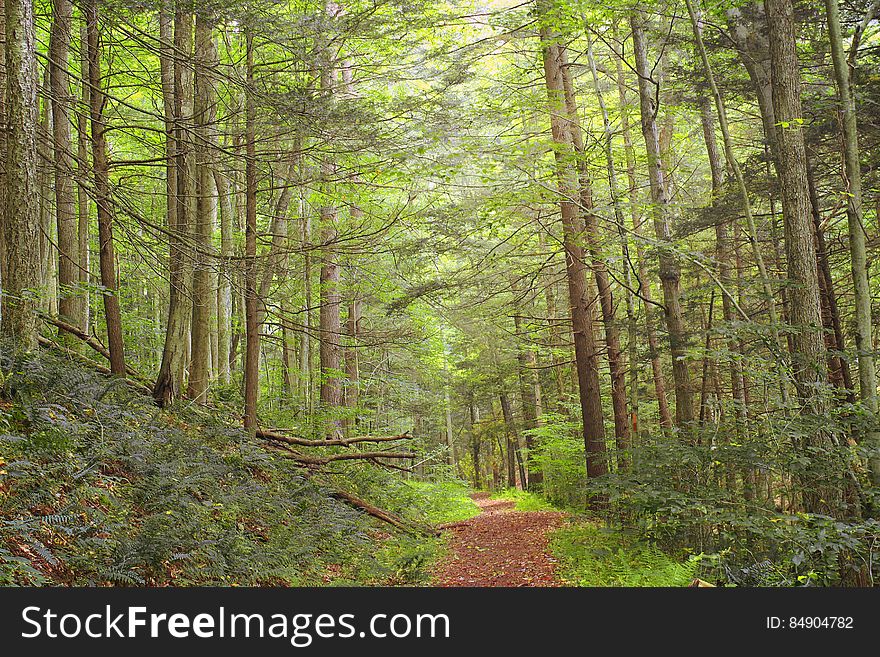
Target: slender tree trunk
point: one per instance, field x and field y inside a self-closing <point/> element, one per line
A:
<point x="3" y="126"/>
<point x="600" y="273"/>
<point x="69" y="296"/>
<point x="586" y="358"/>
<point x="102" y="195"/>
<point x="22" y="208"/>
<point x="252" y="324"/>
<point x="856" y="232"/>
<point x="352" y="369"/>
<point x="224" y="286"/>
<point x="723" y="256"/>
<point x="82" y="171"/>
<point x="305" y="348"/>
<point x="670" y="271"/>
<point x="643" y="289"/>
<point x="528" y="385"/>
<point x="330" y="326"/>
<point x="475" y="444"/>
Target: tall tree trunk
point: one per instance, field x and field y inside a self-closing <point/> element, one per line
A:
<point x="305" y="347"/>
<point x="856" y="232"/>
<point x="723" y="256"/>
<point x="82" y="172"/>
<point x="670" y="272"/>
<point x="3" y="126"/>
<point x="586" y="358"/>
<point x="21" y="208"/>
<point x="643" y="289"/>
<point x="204" y="115"/>
<point x="329" y="320"/>
<point x="226" y="272"/>
<point x="252" y="302"/>
<point x="251" y="293"/>
<point x="475" y="442"/>
<point x="69" y="295"/>
<point x="733" y="164"/>
<point x="600" y="272"/>
<point x="808" y="357"/>
<point x="112" y="314"/>
<point x="175" y="49"/>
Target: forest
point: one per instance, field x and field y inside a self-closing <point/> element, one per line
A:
<point x="468" y="292"/>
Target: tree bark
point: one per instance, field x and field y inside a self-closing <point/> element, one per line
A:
<point x="670" y="271"/>
<point x="600" y="273"/>
<point x="807" y="349"/>
<point x="586" y="358"/>
<point x="204" y="115"/>
<point x="70" y="300"/>
<point x="252" y="308"/>
<point x="21" y="208"/>
<point x="856" y="232"/>
<point x="175" y="92"/>
<point x="107" y="256"/>
<point x="643" y="290"/>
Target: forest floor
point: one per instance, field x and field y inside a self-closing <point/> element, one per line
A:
<point x="500" y="547"/>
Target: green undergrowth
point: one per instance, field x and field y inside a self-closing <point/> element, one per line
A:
<point x="524" y="500"/>
<point x="100" y="487"/>
<point x="446" y="502"/>
<point x="592" y="555"/>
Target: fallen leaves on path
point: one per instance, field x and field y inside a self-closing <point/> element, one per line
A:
<point x="500" y="547"/>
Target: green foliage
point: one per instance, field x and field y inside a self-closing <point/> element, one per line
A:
<point x="445" y="502"/>
<point x="590" y="555"/>
<point x="525" y="501"/>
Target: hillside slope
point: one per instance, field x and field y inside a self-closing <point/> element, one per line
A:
<point x="100" y="487"/>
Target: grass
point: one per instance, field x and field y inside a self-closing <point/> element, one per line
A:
<point x="591" y="555"/>
<point x="445" y="502"/>
<point x="524" y="500"/>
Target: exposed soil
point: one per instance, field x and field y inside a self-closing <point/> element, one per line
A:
<point x="500" y="547"/>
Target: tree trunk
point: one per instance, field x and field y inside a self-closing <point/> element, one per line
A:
<point x="102" y="196"/>
<point x="21" y="208"/>
<point x="82" y="171"/>
<point x="352" y="370"/>
<point x="856" y="232"/>
<point x="224" y="285"/>
<point x="670" y="272"/>
<point x="175" y="92"/>
<point x="807" y="349"/>
<point x="70" y="300"/>
<point x="586" y="358"/>
<point x="600" y="272"/>
<point x="252" y="309"/>
<point x="204" y="115"/>
<point x="528" y="385"/>
<point x="643" y="290"/>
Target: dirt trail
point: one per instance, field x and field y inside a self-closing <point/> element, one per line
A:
<point x="500" y="547"/>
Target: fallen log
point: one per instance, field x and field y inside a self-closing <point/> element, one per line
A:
<point x="94" y="343"/>
<point x="385" y="516"/>
<point x="135" y="384"/>
<point x="275" y="434"/>
<point x="347" y="456"/>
